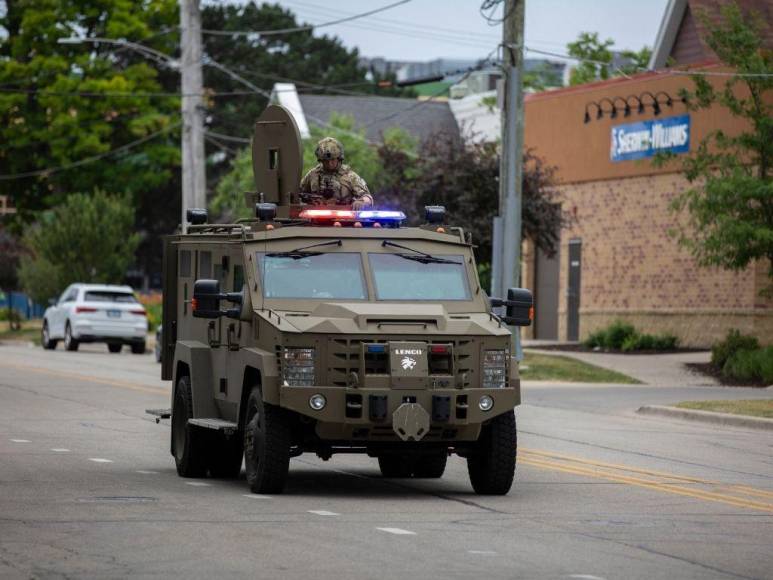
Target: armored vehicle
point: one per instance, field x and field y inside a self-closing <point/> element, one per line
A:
<point x="317" y="329"/>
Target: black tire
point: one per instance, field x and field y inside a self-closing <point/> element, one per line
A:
<point x="70" y="343"/>
<point x="267" y="438"/>
<point x="491" y="464"/>
<point x="45" y="339"/>
<point x="189" y="446"/>
<point x="157" y="352"/>
<point x="113" y="347"/>
<point x="393" y="465"/>
<point x="138" y="347"/>
<point x="431" y="465"/>
<point x="225" y="456"/>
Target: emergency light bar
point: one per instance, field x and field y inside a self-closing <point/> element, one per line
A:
<point x="369" y="216"/>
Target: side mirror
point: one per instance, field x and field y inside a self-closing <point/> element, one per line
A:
<point x="207" y="297"/>
<point x="519" y="307"/>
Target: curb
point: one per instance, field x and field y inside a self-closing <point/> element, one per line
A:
<point x="726" y="419"/>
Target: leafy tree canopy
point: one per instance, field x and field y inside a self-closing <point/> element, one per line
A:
<point x="729" y="209"/>
<point x="88" y="238"/>
<point x="51" y="125"/>
<point x="597" y="56"/>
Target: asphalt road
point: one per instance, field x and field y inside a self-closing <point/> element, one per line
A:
<point x="88" y="490"/>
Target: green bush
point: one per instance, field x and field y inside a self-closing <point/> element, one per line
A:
<point x="750" y="365"/>
<point x="623" y="336"/>
<point x="15" y="315"/>
<point x="154" y="316"/>
<point x="722" y="351"/>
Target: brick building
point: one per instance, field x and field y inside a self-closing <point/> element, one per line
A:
<point x="617" y="259"/>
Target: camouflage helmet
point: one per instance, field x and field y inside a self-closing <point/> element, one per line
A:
<point x="329" y="148"/>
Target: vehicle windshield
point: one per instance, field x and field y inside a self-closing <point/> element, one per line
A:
<point x="398" y="278"/>
<point x="336" y="276"/>
<point x="107" y="296"/>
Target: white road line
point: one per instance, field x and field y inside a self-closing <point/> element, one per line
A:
<point x="482" y="552"/>
<point x="323" y="513"/>
<point x="100" y="460"/>
<point x="21" y="440"/>
<point x="143" y="472"/>
<point x="60" y="450"/>
<point x="256" y="496"/>
<point x="198" y="484"/>
<point x="585" y="577"/>
<point x="397" y="531"/>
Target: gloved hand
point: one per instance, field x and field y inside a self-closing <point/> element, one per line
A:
<point x="363" y="202"/>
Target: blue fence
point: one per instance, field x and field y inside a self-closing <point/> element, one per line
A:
<point x="21" y="303"/>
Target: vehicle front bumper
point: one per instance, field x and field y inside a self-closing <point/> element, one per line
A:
<point x="452" y="411"/>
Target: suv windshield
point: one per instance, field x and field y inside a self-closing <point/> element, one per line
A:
<point x="325" y="276"/>
<point x="107" y="296"/>
<point x="396" y="277"/>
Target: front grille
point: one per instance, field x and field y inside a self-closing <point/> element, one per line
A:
<point x="344" y="358"/>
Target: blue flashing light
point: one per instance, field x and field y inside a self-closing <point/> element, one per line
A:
<point x="380" y="214"/>
<point x="376" y="348"/>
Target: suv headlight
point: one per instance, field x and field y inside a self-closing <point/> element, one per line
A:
<point x="298" y="367"/>
<point x="494" y="369"/>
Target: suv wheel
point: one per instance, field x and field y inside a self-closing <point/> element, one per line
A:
<point x="491" y="464"/>
<point x="138" y="347"/>
<point x="266" y="445"/>
<point x="114" y="347"/>
<point x="69" y="342"/>
<point x="45" y="338"/>
<point x="188" y="444"/>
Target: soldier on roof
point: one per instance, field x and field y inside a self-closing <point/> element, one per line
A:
<point x="331" y="182"/>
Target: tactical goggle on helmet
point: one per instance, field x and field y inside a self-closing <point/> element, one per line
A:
<point x="329" y="148"/>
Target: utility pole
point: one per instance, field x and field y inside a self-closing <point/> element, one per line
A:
<point x="193" y="165"/>
<point x="507" y="230"/>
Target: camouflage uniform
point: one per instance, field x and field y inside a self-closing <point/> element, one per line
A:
<point x="341" y="186"/>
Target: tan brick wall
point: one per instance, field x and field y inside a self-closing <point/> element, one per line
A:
<point x="633" y="269"/>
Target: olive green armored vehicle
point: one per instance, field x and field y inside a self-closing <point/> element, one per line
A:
<point x="316" y="329"/>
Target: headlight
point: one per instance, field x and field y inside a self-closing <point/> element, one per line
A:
<point x="298" y="367"/>
<point x="494" y="369"/>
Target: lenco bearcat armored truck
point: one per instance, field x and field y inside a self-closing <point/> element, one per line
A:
<point x="319" y="329"/>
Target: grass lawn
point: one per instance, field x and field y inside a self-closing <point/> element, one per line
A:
<point x="30" y="330"/>
<point x="544" y="367"/>
<point x="755" y="408"/>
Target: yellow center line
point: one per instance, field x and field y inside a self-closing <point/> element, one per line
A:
<point x="88" y="379"/>
<point x="552" y="455"/>
<point x="600" y="473"/>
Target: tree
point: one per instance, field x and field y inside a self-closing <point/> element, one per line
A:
<point x="729" y="209"/>
<point x="595" y="59"/>
<point x="88" y="238"/>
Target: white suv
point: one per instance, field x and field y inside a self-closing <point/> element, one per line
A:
<point x="96" y="313"/>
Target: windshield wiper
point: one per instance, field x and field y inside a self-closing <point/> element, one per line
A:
<point x="418" y="256"/>
<point x="302" y="252"/>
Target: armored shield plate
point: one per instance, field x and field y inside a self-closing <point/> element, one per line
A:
<point x="277" y="156"/>
<point x="408" y="365"/>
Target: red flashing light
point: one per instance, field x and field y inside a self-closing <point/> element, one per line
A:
<point x="328" y="214"/>
<point x="194" y="304"/>
<point x="438" y="349"/>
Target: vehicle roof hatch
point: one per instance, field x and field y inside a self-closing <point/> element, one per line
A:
<point x="277" y="157"/>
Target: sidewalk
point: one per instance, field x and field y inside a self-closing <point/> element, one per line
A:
<point x="663" y="370"/>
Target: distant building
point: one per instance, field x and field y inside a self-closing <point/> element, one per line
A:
<point x="374" y="114"/>
<point x="6" y="205"/>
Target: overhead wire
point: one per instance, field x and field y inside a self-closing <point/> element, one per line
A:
<point x="301" y="28"/>
<point x="93" y="158"/>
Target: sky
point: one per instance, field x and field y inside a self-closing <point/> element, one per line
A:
<point x="427" y="29"/>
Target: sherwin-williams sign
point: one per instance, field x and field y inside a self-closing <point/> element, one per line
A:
<point x="645" y="139"/>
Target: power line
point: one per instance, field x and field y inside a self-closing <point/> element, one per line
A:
<point x="300" y="28"/>
<point x="93" y="158"/>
